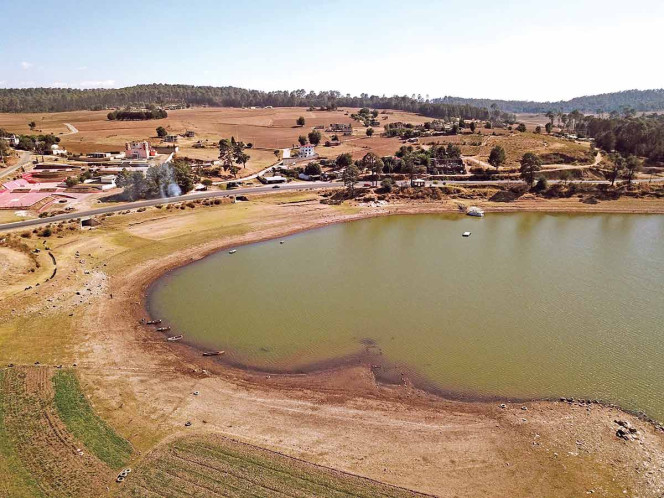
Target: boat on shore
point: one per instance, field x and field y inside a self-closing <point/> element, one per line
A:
<point x="232" y="251"/>
<point x="153" y="322"/>
<point x="475" y="211"/>
<point x="175" y="338"/>
<point x="163" y="329"/>
<point x="213" y="353"/>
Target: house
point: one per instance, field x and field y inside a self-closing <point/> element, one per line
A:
<point x="307" y="151"/>
<point x="57" y="151"/>
<point x="346" y="129"/>
<point x="189" y="134"/>
<point x="272" y="179"/>
<point x="447" y="167"/>
<point x="418" y="182"/>
<point x="99" y="155"/>
<point x="171" y="138"/>
<point x="139" y="150"/>
<point x="13" y="140"/>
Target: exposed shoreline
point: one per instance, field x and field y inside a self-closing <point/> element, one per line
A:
<point x="406" y="375"/>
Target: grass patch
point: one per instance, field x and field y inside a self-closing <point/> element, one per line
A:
<point x="81" y="420"/>
<point x="15" y="480"/>
<point x="216" y="465"/>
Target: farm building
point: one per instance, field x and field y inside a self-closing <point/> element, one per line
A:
<point x="99" y="155"/>
<point x="447" y="167"/>
<point x="189" y="134"/>
<point x="272" y="179"/>
<point x="346" y="129"/>
<point x="139" y="150"/>
<point x="171" y="138"/>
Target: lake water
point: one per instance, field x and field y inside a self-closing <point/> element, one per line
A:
<point x="529" y="306"/>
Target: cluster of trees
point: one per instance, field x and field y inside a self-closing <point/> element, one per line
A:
<point x="69" y="99"/>
<point x="231" y="153"/>
<point x="142" y="115"/>
<point x="313" y="137"/>
<point x="640" y="100"/>
<point x="41" y="144"/>
<point x="366" y="116"/>
<point x="642" y="136"/>
<point x="164" y="180"/>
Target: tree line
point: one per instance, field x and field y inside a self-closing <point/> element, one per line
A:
<point x="640" y="100"/>
<point x="70" y="99"/>
<point x="642" y="136"/>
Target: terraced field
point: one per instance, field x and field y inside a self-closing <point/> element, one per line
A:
<point x="39" y="454"/>
<point x="218" y="466"/>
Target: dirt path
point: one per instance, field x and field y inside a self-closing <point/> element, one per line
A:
<point x="72" y="129"/>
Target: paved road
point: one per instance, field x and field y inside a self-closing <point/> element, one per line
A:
<point x="251" y="190"/>
<point x="154" y="202"/>
<point x="25" y="159"/>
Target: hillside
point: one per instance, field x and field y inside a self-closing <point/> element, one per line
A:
<point x="640" y="100"/>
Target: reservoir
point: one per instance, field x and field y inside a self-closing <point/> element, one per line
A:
<point x="530" y="305"/>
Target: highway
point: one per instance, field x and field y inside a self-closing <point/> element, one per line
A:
<point x="252" y="190"/>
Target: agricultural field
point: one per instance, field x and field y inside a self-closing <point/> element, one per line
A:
<point x="45" y="450"/>
<point x="270" y="129"/>
<point x="213" y="465"/>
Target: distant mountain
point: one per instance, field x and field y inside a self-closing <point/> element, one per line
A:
<point x="639" y="100"/>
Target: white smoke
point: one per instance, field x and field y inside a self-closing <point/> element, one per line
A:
<point x="168" y="187"/>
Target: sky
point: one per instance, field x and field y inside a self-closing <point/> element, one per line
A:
<point x="525" y="50"/>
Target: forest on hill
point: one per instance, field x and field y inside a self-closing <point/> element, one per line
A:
<point x="638" y="100"/>
<point x="69" y="99"/>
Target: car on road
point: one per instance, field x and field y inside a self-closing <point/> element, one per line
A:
<point x="276" y="186"/>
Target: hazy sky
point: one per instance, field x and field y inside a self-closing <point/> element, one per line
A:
<point x="520" y="50"/>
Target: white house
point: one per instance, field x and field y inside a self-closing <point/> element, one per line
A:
<point x="57" y="151"/>
<point x="13" y="140"/>
<point x="307" y="151"/>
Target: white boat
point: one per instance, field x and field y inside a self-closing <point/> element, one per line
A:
<point x="175" y="338"/>
<point x="475" y="211"/>
<point x="466" y="234"/>
<point x="232" y="251"/>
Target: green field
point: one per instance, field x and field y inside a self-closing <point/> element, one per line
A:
<point x="217" y="466"/>
<point x="79" y="418"/>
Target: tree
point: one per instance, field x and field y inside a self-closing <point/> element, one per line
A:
<point x="242" y="157"/>
<point x="302" y="139"/>
<point x="350" y="176"/>
<point x="548" y="127"/>
<point x="372" y="162"/>
<point x="531" y="164"/>
<point x="473" y="126"/>
<point x="4" y="150"/>
<point x="313" y="169"/>
<point x="300" y="121"/>
<point x="370" y="131"/>
<point x="632" y="165"/>
<point x="618" y="165"/>
<point x="521" y="127"/>
<point x="344" y="160"/>
<point x="497" y="156"/>
<point x="71" y="181"/>
<point x="161" y="132"/>
<point x="538" y="129"/>
<point x="226" y="153"/>
<point x="542" y="184"/>
<point x="32" y="125"/>
<point x="207" y="182"/>
<point x="277" y="154"/>
<point x="314" y="137"/>
<point x="387" y="184"/>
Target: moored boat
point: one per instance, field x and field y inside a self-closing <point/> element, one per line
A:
<point x="213" y="353"/>
<point x="475" y="211"/>
<point x="163" y="329"/>
<point x="175" y="338"/>
<point x="232" y="251"/>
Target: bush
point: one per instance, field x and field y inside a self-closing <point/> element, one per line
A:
<point x="541" y="184"/>
<point x="46" y="232"/>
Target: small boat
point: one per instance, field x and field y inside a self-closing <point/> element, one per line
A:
<point x="232" y="251"/>
<point x="213" y="353"/>
<point x="475" y="211"/>
<point x="466" y="234"/>
<point x="163" y="329"/>
<point x="174" y="338"/>
<point x="153" y="322"/>
<point x="281" y="242"/>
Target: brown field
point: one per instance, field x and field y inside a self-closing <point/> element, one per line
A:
<point x="270" y="129"/>
<point x="340" y="419"/>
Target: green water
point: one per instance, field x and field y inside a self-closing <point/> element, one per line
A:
<point x="531" y="305"/>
